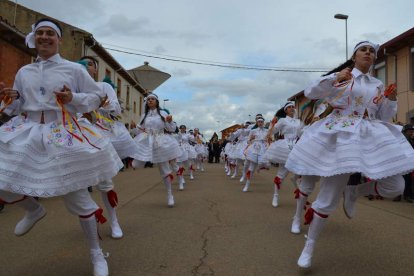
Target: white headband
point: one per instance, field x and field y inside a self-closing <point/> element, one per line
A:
<point x="366" y="43"/>
<point x="152" y="95"/>
<point x="289" y="104"/>
<point x="30" y="38"/>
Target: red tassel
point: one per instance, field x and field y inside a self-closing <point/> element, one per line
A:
<point x="180" y="171"/>
<point x="309" y="215"/>
<point x="112" y="198"/>
<point x="248" y="174"/>
<point x="277" y="182"/>
<point x="297" y="193"/>
<point x="171" y="177"/>
<point x="99" y="216"/>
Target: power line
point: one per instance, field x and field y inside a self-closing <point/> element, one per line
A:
<point x="222" y="65"/>
<point x="210" y="61"/>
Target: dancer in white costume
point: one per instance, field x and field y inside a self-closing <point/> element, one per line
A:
<point x="185" y="140"/>
<point x="355" y="137"/>
<point x="200" y="149"/>
<point x="181" y="161"/>
<point x="154" y="145"/>
<point x="229" y="151"/>
<point x="241" y="135"/>
<point x="289" y="128"/>
<point x="246" y="163"/>
<point x="47" y="153"/>
<point x="312" y="112"/>
<point x="255" y="150"/>
<point x="108" y="124"/>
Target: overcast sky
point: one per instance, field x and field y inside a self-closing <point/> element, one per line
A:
<point x="287" y="34"/>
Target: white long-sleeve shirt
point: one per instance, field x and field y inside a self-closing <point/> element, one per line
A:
<point x="113" y="105"/>
<point x="153" y="123"/>
<point x="364" y="95"/>
<point x="37" y="82"/>
<point x="289" y="127"/>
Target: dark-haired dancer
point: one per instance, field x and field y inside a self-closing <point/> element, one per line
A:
<point x="46" y="153"/>
<point x="154" y="145"/>
<point x="108" y="125"/>
<point x="355" y="137"/>
<point x="255" y="150"/>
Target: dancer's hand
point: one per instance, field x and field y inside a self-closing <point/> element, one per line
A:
<point x="8" y="92"/>
<point x="344" y="75"/>
<point x="64" y="95"/>
<point x="168" y="118"/>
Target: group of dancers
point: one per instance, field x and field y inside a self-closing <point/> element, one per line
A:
<point x="344" y="139"/>
<point x="66" y="136"/>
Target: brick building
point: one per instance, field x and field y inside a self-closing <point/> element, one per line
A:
<point x="77" y="43"/>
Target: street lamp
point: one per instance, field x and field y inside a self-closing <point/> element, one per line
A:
<point x="250" y="117"/>
<point x="165" y="100"/>
<point x="344" y="17"/>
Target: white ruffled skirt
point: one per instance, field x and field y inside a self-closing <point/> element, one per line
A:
<point x="255" y="153"/>
<point x="278" y="152"/>
<point x="375" y="148"/>
<point x="156" y="148"/>
<point x="45" y="160"/>
<point x="184" y="155"/>
<point x="239" y="151"/>
<point x="123" y="142"/>
<point x="191" y="152"/>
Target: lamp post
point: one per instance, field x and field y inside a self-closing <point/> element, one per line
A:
<point x="344" y="17"/>
<point x="250" y="118"/>
<point x="165" y="100"/>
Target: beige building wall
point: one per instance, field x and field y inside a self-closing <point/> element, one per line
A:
<point x="398" y="71"/>
<point x="131" y="105"/>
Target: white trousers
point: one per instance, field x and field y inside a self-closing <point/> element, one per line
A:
<point x="78" y="203"/>
<point x="332" y="189"/>
<point x="282" y="171"/>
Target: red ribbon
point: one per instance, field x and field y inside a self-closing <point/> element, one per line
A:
<point x="309" y="215"/>
<point x="112" y="198"/>
<point x="180" y="171"/>
<point x="298" y="192"/>
<point x="248" y="174"/>
<point x="277" y="182"/>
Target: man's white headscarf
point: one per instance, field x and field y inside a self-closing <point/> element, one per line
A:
<point x="30" y="38"/>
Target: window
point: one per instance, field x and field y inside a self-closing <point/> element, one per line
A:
<point x="127" y="98"/>
<point x="380" y="72"/>
<point x="107" y="73"/>
<point x="140" y="105"/>
<point x="118" y="87"/>
<point x="412" y="68"/>
<point x="135" y="107"/>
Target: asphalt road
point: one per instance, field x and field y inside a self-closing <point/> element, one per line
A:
<point x="214" y="229"/>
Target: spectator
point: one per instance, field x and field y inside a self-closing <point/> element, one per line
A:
<point x="408" y="131"/>
<point x="217" y="150"/>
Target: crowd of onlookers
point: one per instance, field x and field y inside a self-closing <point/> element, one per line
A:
<point x="408" y="196"/>
<point x="215" y="147"/>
